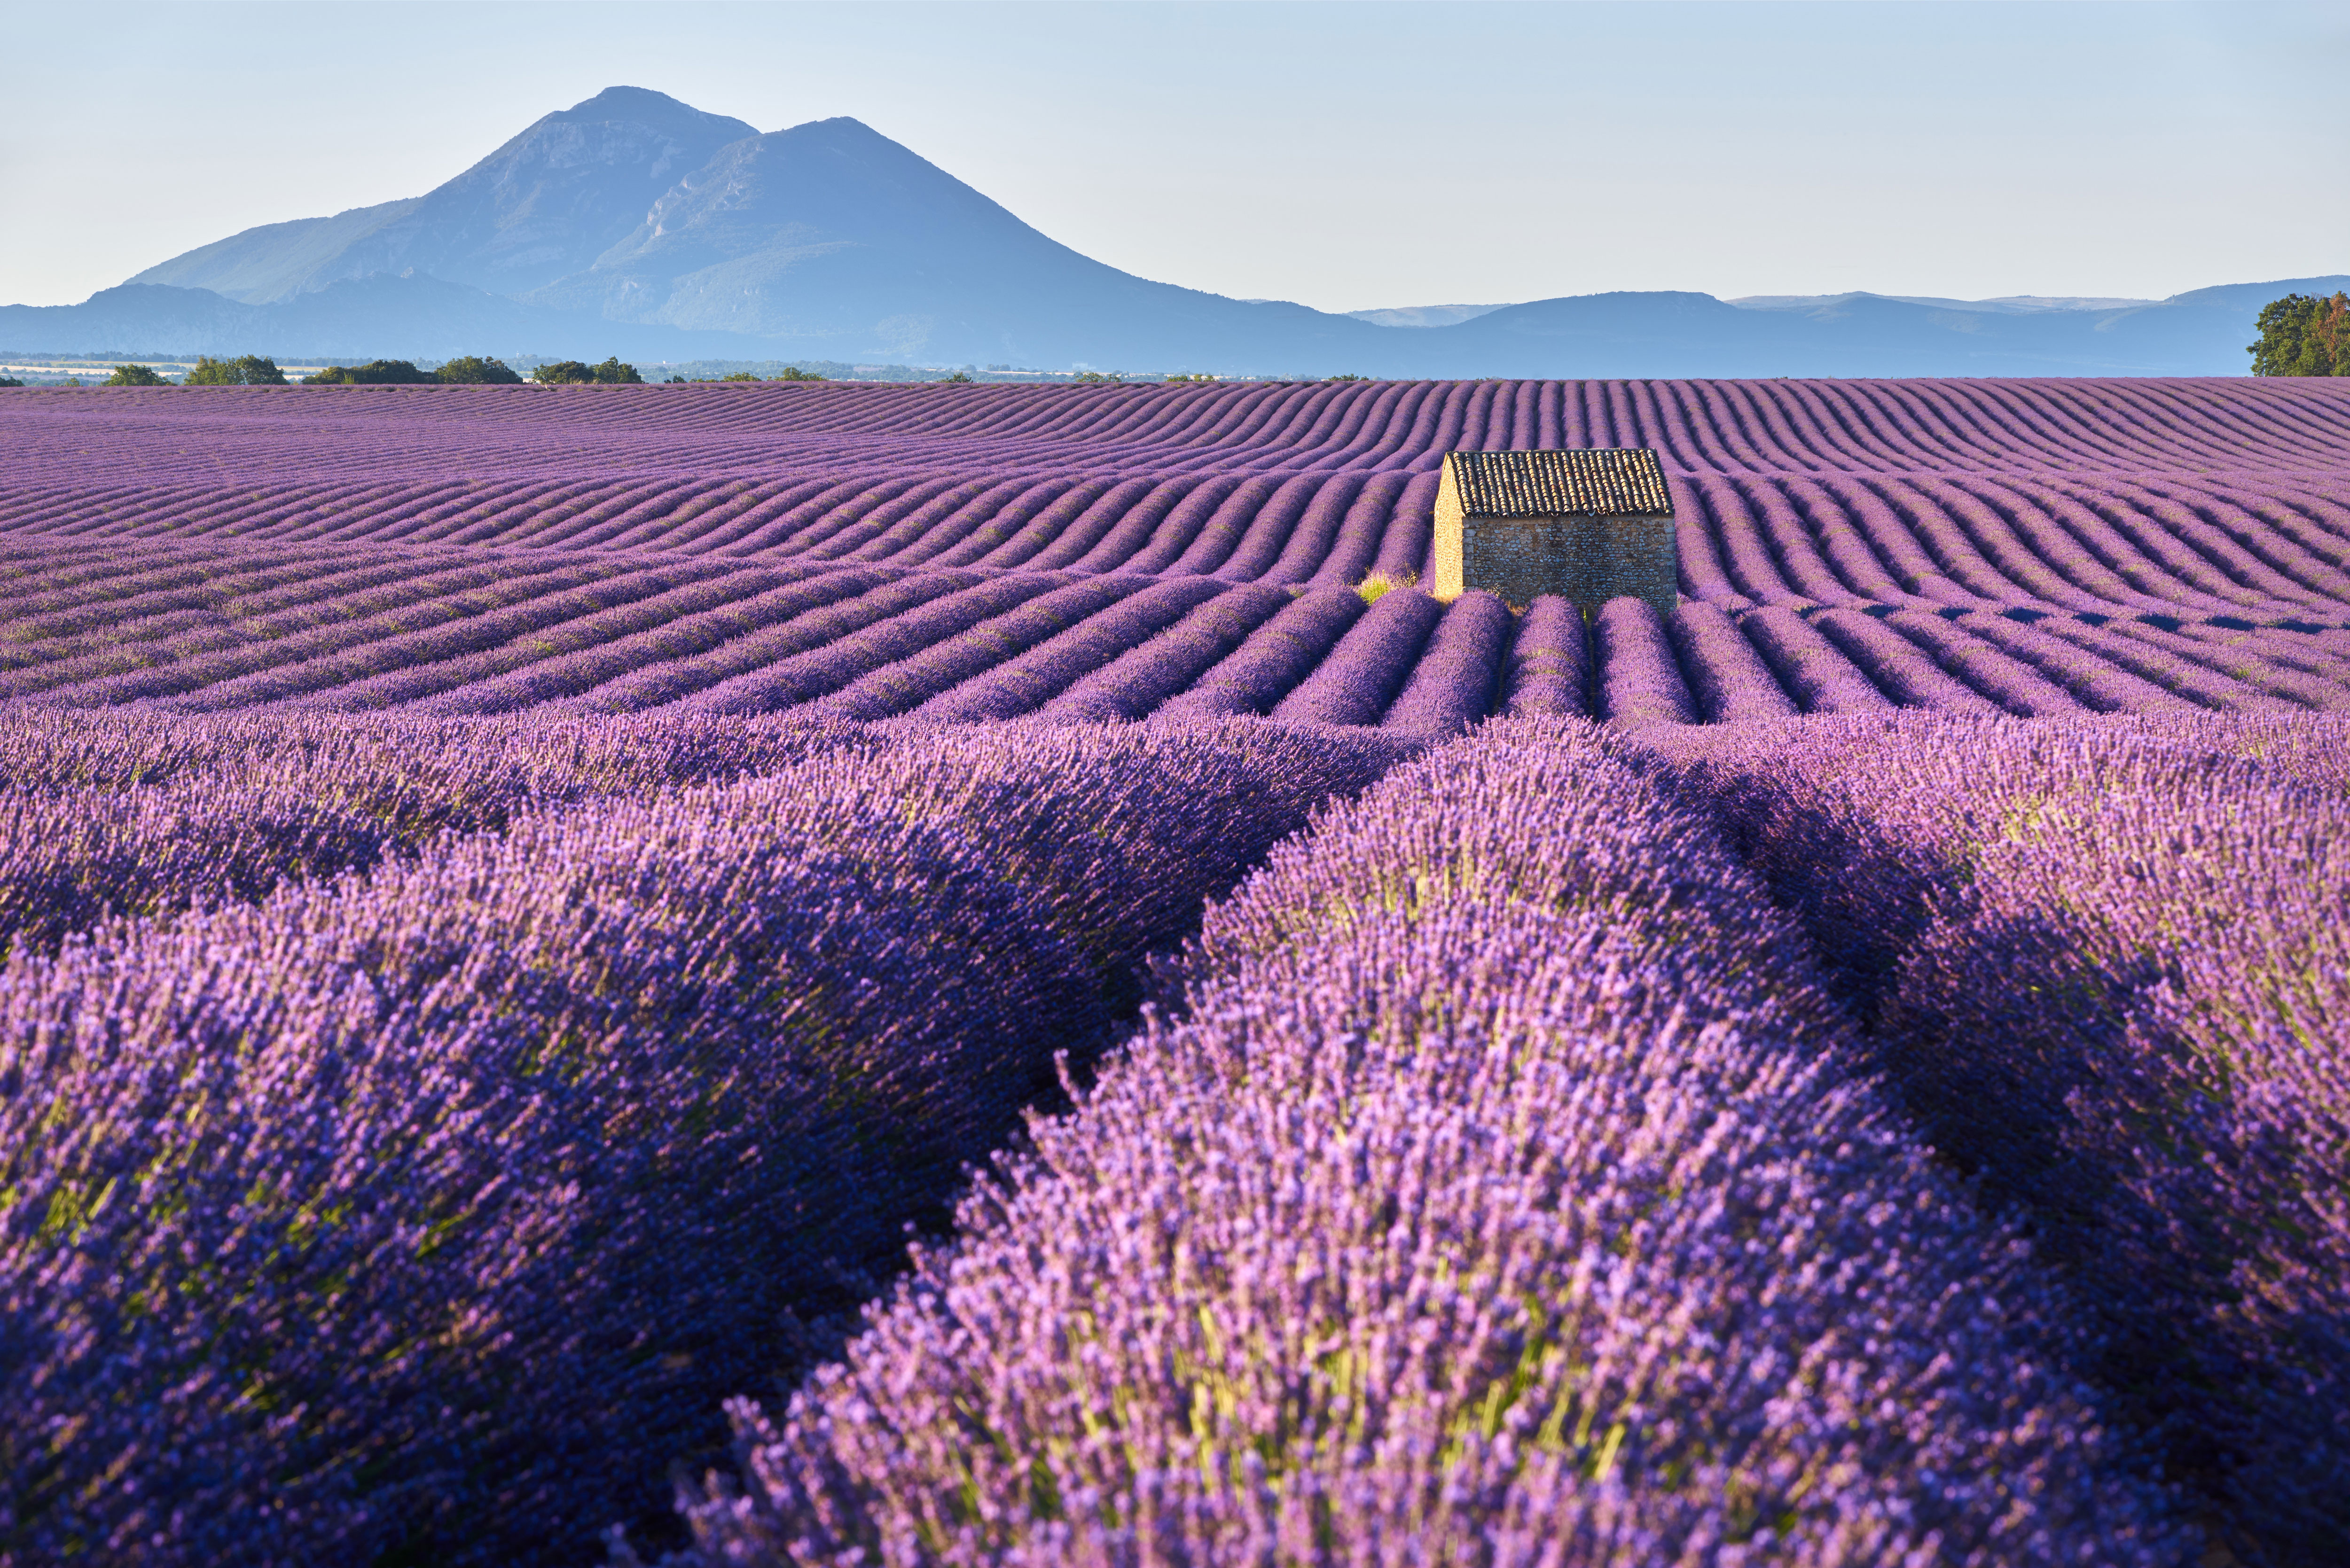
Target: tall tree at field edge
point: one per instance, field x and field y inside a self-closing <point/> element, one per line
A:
<point x="2303" y="335"/>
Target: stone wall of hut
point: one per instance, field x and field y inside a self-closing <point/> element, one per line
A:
<point x="1586" y="559"/>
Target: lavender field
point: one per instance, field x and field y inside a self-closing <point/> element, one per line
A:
<point x="837" y="973"/>
<point x="2037" y="548"/>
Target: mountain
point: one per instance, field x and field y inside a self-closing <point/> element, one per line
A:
<point x="380" y="316"/>
<point x="275" y="261"/>
<point x="1425" y="315"/>
<point x="844" y="245"/>
<point x="2008" y="304"/>
<point x="2202" y="333"/>
<point x="541" y="206"/>
<point x="824" y="241"/>
<point x="635" y="225"/>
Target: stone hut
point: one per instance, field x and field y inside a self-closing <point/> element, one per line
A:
<point x="1593" y="525"/>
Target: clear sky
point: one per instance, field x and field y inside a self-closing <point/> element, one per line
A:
<point x="1344" y="155"/>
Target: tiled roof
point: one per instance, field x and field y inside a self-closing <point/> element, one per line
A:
<point x="1535" y="483"/>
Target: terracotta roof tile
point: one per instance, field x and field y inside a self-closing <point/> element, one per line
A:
<point x="1537" y="484"/>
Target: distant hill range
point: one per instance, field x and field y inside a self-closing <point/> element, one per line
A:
<point x="637" y="225"/>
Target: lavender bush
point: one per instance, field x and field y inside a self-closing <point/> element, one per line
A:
<point x="1452" y="687"/>
<point x="1367" y="666"/>
<point x="1548" y="672"/>
<point x="1256" y="676"/>
<point x="2102" y="963"/>
<point x="1822" y="680"/>
<point x="104" y="818"/>
<point x="1898" y="667"/>
<point x="470" y="628"/>
<point x="1641" y="683"/>
<point x="1730" y="679"/>
<point x="2009" y="683"/>
<point x="1024" y="683"/>
<point x="1509" y="1195"/>
<point x="907" y="683"/>
<point x="417" y="1125"/>
<point x="836" y="606"/>
<point x="744" y="613"/>
<point x="826" y="666"/>
<point x="100" y="670"/>
<point x="1145" y="675"/>
<point x="422" y="1213"/>
<point x="2098" y="562"/>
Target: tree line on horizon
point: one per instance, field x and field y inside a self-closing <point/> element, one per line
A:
<point x="469" y="370"/>
<point x="260" y="370"/>
<point x="475" y="371"/>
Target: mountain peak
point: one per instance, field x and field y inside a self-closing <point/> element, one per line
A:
<point x="619" y="102"/>
<point x="657" y="110"/>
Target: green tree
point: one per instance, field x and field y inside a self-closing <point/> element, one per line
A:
<point x="374" y="373"/>
<point x="564" y="373"/>
<point x="11" y="381"/>
<point x="612" y="373"/>
<point x="471" y="370"/>
<point x="247" y="371"/>
<point x="959" y="377"/>
<point x="738" y="376"/>
<point x="133" y="376"/>
<point x="794" y="373"/>
<point x="2303" y="335"/>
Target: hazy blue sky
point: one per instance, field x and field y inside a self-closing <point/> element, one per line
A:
<point x="1341" y="154"/>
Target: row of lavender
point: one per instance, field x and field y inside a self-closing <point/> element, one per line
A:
<point x="2123" y="425"/>
<point x="2104" y="967"/>
<point x="107" y="816"/>
<point x="2263" y="547"/>
<point x="426" y="1214"/>
<point x="465" y="632"/>
<point x="1509" y="1191"/>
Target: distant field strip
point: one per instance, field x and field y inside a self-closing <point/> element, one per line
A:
<point x="2023" y="546"/>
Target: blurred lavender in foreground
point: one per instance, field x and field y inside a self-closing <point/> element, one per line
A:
<point x="429" y="1213"/>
